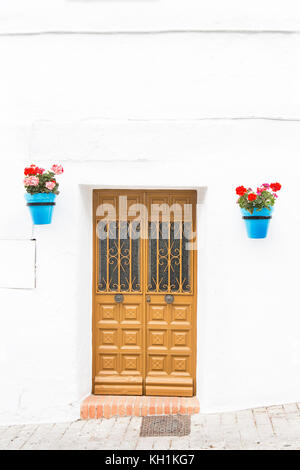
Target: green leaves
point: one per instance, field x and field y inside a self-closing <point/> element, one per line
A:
<point x="44" y="178"/>
<point x="265" y="200"/>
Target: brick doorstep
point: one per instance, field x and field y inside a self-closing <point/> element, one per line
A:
<point x="106" y="406"/>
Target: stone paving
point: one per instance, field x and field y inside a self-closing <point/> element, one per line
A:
<point x="275" y="427"/>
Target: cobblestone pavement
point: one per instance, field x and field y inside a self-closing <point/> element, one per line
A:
<point x="275" y="427"/>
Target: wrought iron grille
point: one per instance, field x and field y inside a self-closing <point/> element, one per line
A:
<point x="169" y="259"/>
<point x="118" y="256"/>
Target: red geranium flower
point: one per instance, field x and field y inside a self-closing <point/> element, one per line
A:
<point x="240" y="190"/>
<point x="275" y="186"/>
<point x="252" y="197"/>
<point x="38" y="178"/>
<point x="33" y="170"/>
<point x="30" y="171"/>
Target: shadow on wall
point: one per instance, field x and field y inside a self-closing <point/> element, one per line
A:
<point x="84" y="293"/>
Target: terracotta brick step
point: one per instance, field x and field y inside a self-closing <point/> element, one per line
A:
<point x="99" y="406"/>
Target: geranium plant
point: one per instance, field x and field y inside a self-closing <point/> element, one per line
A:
<point x="263" y="198"/>
<point x="38" y="180"/>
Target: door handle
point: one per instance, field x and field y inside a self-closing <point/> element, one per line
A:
<point x="148" y="298"/>
<point x="169" y="298"/>
<point x="119" y="298"/>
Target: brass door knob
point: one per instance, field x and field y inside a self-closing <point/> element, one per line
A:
<point x="148" y="298"/>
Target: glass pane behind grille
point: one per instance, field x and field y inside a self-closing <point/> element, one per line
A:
<point x="102" y="255"/>
<point x="169" y="257"/>
<point x="163" y="258"/>
<point x="152" y="257"/>
<point x="186" y="238"/>
<point x="113" y="269"/>
<point x="119" y="257"/>
<point x="175" y="253"/>
<point x="124" y="257"/>
<point x="135" y="256"/>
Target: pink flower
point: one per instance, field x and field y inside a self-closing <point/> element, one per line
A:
<point x="31" y="181"/>
<point x="57" y="169"/>
<point x="50" y="185"/>
<point x="266" y="185"/>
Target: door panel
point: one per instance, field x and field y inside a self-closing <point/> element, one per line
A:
<point x="169" y="346"/>
<point x="144" y="329"/>
<point x="119" y="340"/>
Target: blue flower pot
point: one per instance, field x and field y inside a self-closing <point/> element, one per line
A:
<point x="257" y="224"/>
<point x="41" y="207"/>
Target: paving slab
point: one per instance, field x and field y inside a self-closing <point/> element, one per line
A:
<point x="276" y="427"/>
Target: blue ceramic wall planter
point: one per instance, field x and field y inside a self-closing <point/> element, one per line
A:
<point x="41" y="207"/>
<point x="257" y="224"/>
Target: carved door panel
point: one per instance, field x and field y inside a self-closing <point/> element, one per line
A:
<point x="170" y="347"/>
<point x="119" y="340"/>
<point x="144" y="331"/>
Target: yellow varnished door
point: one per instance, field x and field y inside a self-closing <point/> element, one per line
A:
<point x="144" y="325"/>
<point x="170" y="296"/>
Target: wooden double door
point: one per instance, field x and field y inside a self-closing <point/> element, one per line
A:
<point x="144" y="292"/>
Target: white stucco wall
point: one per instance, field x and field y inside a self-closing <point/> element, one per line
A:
<point x="148" y="15"/>
<point x="187" y="109"/>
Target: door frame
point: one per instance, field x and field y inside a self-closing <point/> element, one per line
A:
<point x="144" y="259"/>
